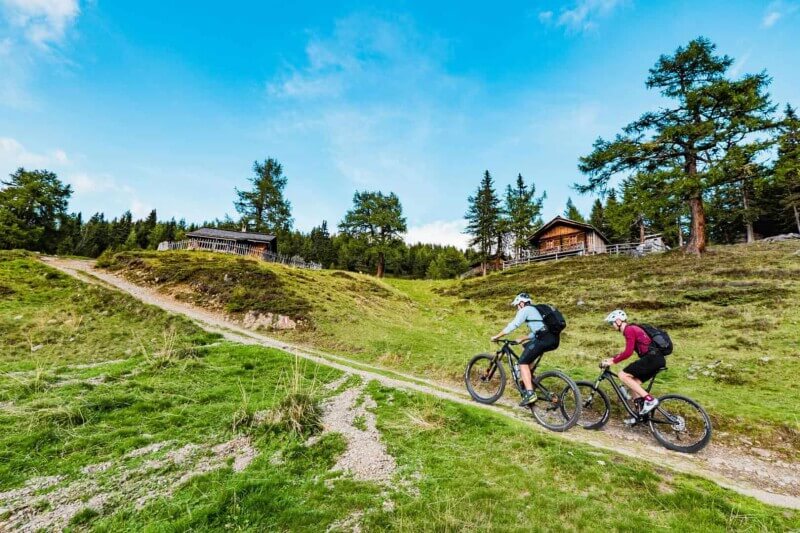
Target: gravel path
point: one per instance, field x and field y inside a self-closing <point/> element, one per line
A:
<point x="765" y="478"/>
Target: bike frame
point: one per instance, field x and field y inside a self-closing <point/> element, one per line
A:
<point x="611" y="377"/>
<point x="513" y="358"/>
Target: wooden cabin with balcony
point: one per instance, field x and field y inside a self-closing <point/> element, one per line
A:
<point x="563" y="236"/>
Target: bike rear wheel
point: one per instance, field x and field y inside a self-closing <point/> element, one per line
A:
<point x="558" y="407"/>
<point x="485" y="378"/>
<point x="680" y="424"/>
<point x="595" y="406"/>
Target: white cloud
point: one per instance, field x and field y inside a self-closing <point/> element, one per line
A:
<point x="44" y="22"/>
<point x="738" y="65"/>
<point x="776" y="11"/>
<point x="770" y="19"/>
<point x="439" y="232"/>
<point x="14" y="155"/>
<point x="583" y="16"/>
<point x="96" y="190"/>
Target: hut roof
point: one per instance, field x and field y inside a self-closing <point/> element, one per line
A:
<point x="567" y="222"/>
<point x="212" y="233"/>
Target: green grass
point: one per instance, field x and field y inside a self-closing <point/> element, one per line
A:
<point x="459" y="467"/>
<point x="733" y="315"/>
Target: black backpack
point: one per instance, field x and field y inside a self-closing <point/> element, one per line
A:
<point x="660" y="339"/>
<point x="553" y="319"/>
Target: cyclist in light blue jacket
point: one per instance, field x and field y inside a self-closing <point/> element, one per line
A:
<point x="537" y="342"/>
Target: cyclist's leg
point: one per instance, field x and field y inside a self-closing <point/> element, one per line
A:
<point x="632" y="382"/>
<point x="529" y="355"/>
<point x="533" y="350"/>
<point x="639" y="371"/>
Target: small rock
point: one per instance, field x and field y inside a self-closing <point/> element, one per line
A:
<point x="37" y="347"/>
<point x="18" y="317"/>
<point x="580" y="303"/>
<point x="601" y="462"/>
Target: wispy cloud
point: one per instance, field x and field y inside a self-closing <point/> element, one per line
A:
<point x="100" y="190"/>
<point x="14" y="155"/>
<point x="33" y="34"/>
<point x="776" y="11"/>
<point x="43" y="22"/>
<point x="583" y="16"/>
<point x="376" y="95"/>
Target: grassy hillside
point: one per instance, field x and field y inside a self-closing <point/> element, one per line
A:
<point x="108" y="405"/>
<point x="733" y="314"/>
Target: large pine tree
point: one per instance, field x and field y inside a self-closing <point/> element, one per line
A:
<point x="680" y="144"/>
<point x="483" y="219"/>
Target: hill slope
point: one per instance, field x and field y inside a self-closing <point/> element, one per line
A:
<point x="168" y="436"/>
<point x="733" y="314"/>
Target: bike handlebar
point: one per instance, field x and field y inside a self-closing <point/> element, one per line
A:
<point x="506" y="341"/>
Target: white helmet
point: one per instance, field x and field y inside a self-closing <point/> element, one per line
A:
<point x="521" y="297"/>
<point x="617" y="314"/>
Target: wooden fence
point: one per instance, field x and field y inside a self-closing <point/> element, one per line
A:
<point x="232" y="247"/>
<point x="636" y="249"/>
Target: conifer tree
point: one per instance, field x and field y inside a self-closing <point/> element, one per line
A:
<point x="682" y="143"/>
<point x="522" y="213"/>
<point x="483" y="219"/>
<point x="787" y="166"/>
<point x="572" y="213"/>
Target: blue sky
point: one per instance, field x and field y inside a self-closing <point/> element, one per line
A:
<point x="143" y="105"/>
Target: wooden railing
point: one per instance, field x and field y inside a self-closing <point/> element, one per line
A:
<point x="232" y="247"/>
<point x="559" y="252"/>
<point x="551" y="254"/>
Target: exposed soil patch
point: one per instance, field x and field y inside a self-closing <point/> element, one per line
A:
<point x="366" y="457"/>
<point x="109" y="485"/>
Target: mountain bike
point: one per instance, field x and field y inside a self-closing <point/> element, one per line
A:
<point x="678" y="423"/>
<point x="558" y="406"/>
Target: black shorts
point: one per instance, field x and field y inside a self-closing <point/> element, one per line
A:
<point x="543" y="342"/>
<point x="645" y="367"/>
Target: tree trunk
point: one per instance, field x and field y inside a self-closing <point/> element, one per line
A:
<point x="748" y="224"/>
<point x="796" y="217"/>
<point x="483" y="268"/>
<point x="680" y="234"/>
<point x="641" y="229"/>
<point x="697" y="228"/>
<point x="381" y="265"/>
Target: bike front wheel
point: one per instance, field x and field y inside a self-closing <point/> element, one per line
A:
<point x="485" y="378"/>
<point x="558" y="406"/>
<point x="595" y="406"/>
<point x="680" y="424"/>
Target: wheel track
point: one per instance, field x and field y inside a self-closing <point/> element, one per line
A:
<point x="770" y="481"/>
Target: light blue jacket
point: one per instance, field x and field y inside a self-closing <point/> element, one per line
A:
<point x="527" y="314"/>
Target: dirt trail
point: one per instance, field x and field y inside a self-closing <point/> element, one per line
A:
<point x="767" y="479"/>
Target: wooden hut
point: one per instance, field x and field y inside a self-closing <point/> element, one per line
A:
<point x="562" y="235"/>
<point x="237" y="242"/>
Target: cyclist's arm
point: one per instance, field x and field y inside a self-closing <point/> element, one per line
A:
<point x="630" y="343"/>
<point x="514" y="324"/>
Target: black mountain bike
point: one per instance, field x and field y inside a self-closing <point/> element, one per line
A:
<point x="558" y="407"/>
<point x="678" y="423"/>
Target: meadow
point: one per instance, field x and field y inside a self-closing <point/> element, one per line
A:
<point x="733" y="314"/>
<point x="121" y="417"/>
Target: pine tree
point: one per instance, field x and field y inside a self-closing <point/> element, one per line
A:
<point x="483" y="219"/>
<point x="572" y="213"/>
<point x="522" y="213"/>
<point x="377" y="221"/>
<point x="787" y="166"/>
<point x="597" y="217"/>
<point x="264" y="206"/>
<point x="682" y="143"/>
